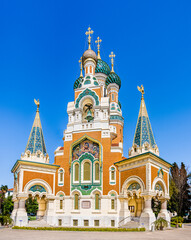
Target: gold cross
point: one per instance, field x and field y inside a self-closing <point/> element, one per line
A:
<point x="80" y="62"/>
<point x="89" y="32"/>
<point x="112" y="56"/>
<point x="98" y="41"/>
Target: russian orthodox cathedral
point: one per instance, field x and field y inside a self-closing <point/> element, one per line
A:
<point x="90" y="182"/>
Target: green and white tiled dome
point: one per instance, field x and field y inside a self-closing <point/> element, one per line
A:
<point x="113" y="78"/>
<point x="102" y="67"/>
<point x="78" y="82"/>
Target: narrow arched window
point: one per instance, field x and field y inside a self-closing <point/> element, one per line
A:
<point x="76" y="172"/>
<point x="61" y="204"/>
<point x="96" y="171"/>
<point x="112" y="203"/>
<point x="97" y="202"/>
<point x="86" y="171"/>
<point x="61" y="177"/>
<point x="112" y="174"/>
<point x="76" y="201"/>
<point x="112" y="96"/>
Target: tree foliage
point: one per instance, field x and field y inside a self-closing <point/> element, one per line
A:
<point x="179" y="190"/>
<point x="31" y="205"/>
<point x="6" y="206"/>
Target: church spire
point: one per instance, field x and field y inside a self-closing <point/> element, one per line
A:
<point x="143" y="139"/>
<point x="35" y="149"/>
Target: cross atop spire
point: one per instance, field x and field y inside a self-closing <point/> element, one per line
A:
<point x="112" y="56"/>
<point x="89" y="32"/>
<point x="80" y="62"/>
<point x="98" y="41"/>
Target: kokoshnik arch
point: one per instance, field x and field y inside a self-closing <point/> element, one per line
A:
<point x="90" y="183"/>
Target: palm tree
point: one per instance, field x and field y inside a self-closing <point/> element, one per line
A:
<point x="3" y="190"/>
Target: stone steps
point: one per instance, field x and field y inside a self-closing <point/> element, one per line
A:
<point x="38" y="223"/>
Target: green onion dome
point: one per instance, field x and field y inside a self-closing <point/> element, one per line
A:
<point x="113" y="78"/>
<point x="77" y="83"/>
<point x="102" y="67"/>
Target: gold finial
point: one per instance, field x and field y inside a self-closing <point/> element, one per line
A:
<point x="112" y="56"/>
<point x="98" y="41"/>
<point x="37" y="102"/>
<point x="80" y="61"/>
<point x="141" y="89"/>
<point x="89" y="32"/>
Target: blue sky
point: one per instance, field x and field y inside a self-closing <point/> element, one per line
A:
<point x="41" y="43"/>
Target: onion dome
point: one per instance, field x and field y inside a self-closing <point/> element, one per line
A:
<point x="78" y="82"/>
<point x="89" y="54"/>
<point x="113" y="78"/>
<point x="102" y="67"/>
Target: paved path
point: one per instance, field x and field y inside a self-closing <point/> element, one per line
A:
<point x="179" y="234"/>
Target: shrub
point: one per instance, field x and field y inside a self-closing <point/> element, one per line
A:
<point x="160" y="223"/>
<point x="83" y="229"/>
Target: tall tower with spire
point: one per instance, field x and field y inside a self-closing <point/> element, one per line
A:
<point x="36" y="149"/>
<point x="144" y="140"/>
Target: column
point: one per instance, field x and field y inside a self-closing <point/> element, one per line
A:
<point x="163" y="212"/>
<point x="147" y="216"/>
<point x="15" y="208"/>
<point x="124" y="214"/>
<point x="50" y="211"/>
<point x="139" y="207"/>
<point x="21" y="216"/>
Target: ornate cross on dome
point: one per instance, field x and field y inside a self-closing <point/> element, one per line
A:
<point x="80" y="61"/>
<point x="89" y="32"/>
<point x="141" y="89"/>
<point x="98" y="41"/>
<point x="112" y="56"/>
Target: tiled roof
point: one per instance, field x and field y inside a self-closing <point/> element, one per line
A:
<point x="36" y="138"/>
<point x="143" y="132"/>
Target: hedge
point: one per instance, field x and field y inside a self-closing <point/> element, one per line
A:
<point x="83" y="229"/>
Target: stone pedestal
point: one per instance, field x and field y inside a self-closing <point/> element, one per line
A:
<point x="14" y="212"/>
<point x="163" y="212"/>
<point x="50" y="214"/>
<point x="124" y="214"/>
<point x="21" y="218"/>
<point x="147" y="216"/>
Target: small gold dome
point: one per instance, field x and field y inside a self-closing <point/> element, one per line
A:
<point x="89" y="54"/>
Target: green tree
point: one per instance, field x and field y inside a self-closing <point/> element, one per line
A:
<point x="31" y="205"/>
<point x="179" y="190"/>
<point x="7" y="206"/>
<point x="3" y="189"/>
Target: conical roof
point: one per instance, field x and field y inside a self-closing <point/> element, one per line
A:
<point x="36" y="139"/>
<point x="143" y="132"/>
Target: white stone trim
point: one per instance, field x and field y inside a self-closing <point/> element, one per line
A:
<point x="131" y="179"/>
<point x="35" y="182"/>
<point x="160" y="180"/>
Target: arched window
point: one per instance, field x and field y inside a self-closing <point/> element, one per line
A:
<point x="61" y="177"/>
<point x="113" y="203"/>
<point x="86" y="176"/>
<point x="76" y="172"/>
<point x="97" y="172"/>
<point x="112" y="175"/>
<point x="112" y="97"/>
<point x="76" y="201"/>
<point x="97" y="201"/>
<point x="60" y="201"/>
